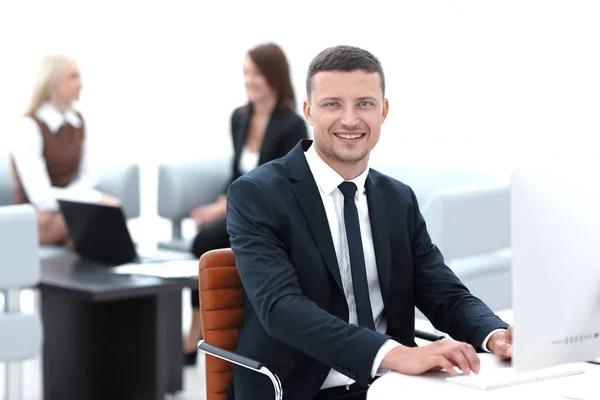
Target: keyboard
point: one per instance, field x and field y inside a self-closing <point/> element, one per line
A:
<point x="499" y="378"/>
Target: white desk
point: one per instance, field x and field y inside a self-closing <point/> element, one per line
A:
<point x="394" y="386"/>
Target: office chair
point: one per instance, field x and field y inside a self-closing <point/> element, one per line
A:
<point x="221" y="302"/>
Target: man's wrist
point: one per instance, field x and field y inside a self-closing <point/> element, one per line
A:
<point x="490" y="341"/>
<point x="388" y="361"/>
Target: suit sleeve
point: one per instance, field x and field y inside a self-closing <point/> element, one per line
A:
<point x="271" y="284"/>
<point x="442" y="297"/>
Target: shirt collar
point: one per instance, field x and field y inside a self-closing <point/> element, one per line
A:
<point x="327" y="178"/>
<point x="54" y="119"/>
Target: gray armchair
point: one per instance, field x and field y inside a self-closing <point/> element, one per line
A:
<point x="185" y="185"/>
<point x="20" y="333"/>
<point x="122" y="180"/>
<point x="118" y="179"/>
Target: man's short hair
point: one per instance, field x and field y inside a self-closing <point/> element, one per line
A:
<point x="346" y="59"/>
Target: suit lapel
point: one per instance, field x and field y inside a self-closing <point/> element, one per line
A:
<point x="243" y="128"/>
<point x="381" y="235"/>
<point x="306" y="192"/>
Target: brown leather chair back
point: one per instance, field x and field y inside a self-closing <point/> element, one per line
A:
<point x="221" y="301"/>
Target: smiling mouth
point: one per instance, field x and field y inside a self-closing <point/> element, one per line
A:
<point x="350" y="136"/>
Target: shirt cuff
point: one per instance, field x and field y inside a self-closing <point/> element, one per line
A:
<point x="386" y="348"/>
<point x="485" y="341"/>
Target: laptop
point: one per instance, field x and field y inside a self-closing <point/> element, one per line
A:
<point x="99" y="233"/>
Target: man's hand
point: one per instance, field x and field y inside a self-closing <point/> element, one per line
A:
<point x="440" y="354"/>
<point x="501" y="343"/>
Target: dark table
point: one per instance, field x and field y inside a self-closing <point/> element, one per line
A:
<point x="109" y="336"/>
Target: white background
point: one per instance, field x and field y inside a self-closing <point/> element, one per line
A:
<point x="477" y="84"/>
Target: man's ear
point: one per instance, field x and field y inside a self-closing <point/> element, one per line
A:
<point x="386" y="108"/>
<point x="307" y="111"/>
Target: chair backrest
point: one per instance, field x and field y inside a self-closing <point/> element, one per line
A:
<point x="184" y="185"/>
<point x="470" y="221"/>
<point x="221" y="302"/>
<point x="122" y="180"/>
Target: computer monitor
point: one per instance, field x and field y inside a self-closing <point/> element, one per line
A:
<point x="555" y="223"/>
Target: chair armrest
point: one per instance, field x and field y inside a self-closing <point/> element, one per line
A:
<point x="431" y="337"/>
<point x="229" y="356"/>
<point x="243" y="362"/>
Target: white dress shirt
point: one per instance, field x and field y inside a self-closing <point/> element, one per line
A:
<point x="27" y="148"/>
<point x="248" y="160"/>
<point x="328" y="180"/>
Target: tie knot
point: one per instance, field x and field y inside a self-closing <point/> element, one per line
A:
<point x="348" y="189"/>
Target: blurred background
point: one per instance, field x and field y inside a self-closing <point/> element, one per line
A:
<point x="473" y="85"/>
<point x="478" y="84"/>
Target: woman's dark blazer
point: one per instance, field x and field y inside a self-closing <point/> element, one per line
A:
<point x="284" y="130"/>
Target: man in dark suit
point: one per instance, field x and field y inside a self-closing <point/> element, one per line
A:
<point x="334" y="256"/>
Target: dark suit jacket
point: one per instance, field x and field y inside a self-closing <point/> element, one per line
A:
<point x="284" y="130"/>
<point x="295" y="310"/>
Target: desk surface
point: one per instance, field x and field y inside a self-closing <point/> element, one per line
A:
<point x="393" y="386"/>
<point x="66" y="271"/>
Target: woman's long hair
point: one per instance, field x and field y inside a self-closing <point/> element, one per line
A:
<point x="49" y="71"/>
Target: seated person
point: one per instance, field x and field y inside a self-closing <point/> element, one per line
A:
<point x="49" y="154"/>
<point x="334" y="256"/>
<point x="264" y="129"/>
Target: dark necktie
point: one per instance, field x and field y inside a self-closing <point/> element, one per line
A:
<point x="357" y="257"/>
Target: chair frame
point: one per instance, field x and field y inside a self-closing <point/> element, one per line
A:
<point x="243" y="362"/>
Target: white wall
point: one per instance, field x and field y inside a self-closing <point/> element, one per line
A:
<point x="471" y="83"/>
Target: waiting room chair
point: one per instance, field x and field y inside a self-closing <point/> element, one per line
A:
<point x="119" y="179"/>
<point x="20" y="333"/>
<point x="221" y="302"/>
<point x="184" y="185"/>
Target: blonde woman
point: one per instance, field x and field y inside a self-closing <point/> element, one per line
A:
<point x="49" y="155"/>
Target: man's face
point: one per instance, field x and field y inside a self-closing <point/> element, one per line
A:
<point x="346" y="110"/>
